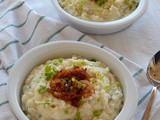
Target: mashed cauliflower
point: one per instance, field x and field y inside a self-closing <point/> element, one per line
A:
<point x="104" y="104"/>
<point x="99" y="10"/>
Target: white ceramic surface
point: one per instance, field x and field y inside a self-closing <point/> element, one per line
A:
<point x="101" y="27"/>
<point x="42" y="53"/>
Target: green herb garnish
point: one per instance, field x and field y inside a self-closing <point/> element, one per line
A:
<point x="78" y="116"/>
<point x="55" y="62"/>
<point x="55" y="69"/>
<point x="66" y="111"/>
<point x="60" y="60"/>
<point x="82" y="100"/>
<point x="126" y="2"/>
<point x="75" y="65"/>
<point x="118" y="84"/>
<point x="133" y="1"/>
<point x="101" y="2"/>
<point x="47" y="68"/>
<point x="71" y="88"/>
<point x="107" y="88"/>
<point x="102" y="76"/>
<point x="42" y="89"/>
<point x="67" y="1"/>
<point x="46" y="103"/>
<point x="96" y="112"/>
<point x="83" y="1"/>
<point x="74" y="80"/>
<point x="130" y="7"/>
<point x="66" y="79"/>
<point x="38" y="81"/>
<point x="93" y="81"/>
<point x="99" y="99"/>
<point x="83" y="63"/>
<point x="79" y="86"/>
<point x="49" y="75"/>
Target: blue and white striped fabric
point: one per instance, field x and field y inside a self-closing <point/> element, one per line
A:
<point x="21" y="29"/>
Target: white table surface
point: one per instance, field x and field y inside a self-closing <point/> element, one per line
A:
<point x="137" y="43"/>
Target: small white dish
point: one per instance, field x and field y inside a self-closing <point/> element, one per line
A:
<point x="42" y="53"/>
<point x="101" y="27"/>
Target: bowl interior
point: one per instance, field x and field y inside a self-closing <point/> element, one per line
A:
<point x="48" y="51"/>
<point x="131" y="17"/>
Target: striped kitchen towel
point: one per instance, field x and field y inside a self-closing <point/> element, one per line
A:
<point x="21" y="29"/>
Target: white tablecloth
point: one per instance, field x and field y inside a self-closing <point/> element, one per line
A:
<point x="137" y="43"/>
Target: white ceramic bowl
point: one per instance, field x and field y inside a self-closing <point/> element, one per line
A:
<point x="101" y="27"/>
<point x="42" y="53"/>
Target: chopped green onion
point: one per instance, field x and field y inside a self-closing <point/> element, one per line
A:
<point x="55" y="69"/>
<point x="118" y="84"/>
<point x="102" y="76"/>
<point x="96" y="112"/>
<point x="42" y="89"/>
<point x="55" y="62"/>
<point x="66" y="79"/>
<point x="130" y="7"/>
<point x="97" y="74"/>
<point x="74" y="80"/>
<point x="66" y="111"/>
<point x="79" y="86"/>
<point x="126" y="2"/>
<point x="83" y="1"/>
<point x="82" y="100"/>
<point x="46" y="103"/>
<point x="75" y="65"/>
<point x="38" y="81"/>
<point x="65" y="104"/>
<point x="67" y="1"/>
<point x="83" y="63"/>
<point x="93" y="81"/>
<point x="99" y="3"/>
<point x="48" y="76"/>
<point x="107" y="88"/>
<point x="98" y="100"/>
<point x="78" y="116"/>
<point x="106" y="7"/>
<point x="60" y="60"/>
<point x="133" y="1"/>
<point x="80" y="9"/>
<point x="47" y="68"/>
<point x="71" y="88"/>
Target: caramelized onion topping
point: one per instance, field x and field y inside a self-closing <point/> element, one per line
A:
<point x="71" y="86"/>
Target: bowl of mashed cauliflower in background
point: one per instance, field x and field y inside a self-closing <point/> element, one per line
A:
<point x="100" y="16"/>
<point x="63" y="81"/>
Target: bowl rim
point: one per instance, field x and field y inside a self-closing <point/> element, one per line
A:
<point x="143" y="4"/>
<point x="11" y="86"/>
